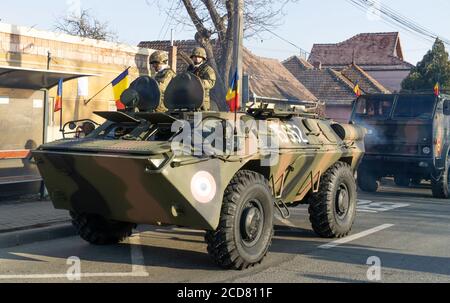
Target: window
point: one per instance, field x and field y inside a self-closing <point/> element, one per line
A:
<point x="375" y="107"/>
<point x="417" y="107"/>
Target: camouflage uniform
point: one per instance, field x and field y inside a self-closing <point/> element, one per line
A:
<point x="207" y="75"/>
<point x="163" y="77"/>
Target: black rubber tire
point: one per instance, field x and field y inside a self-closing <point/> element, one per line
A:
<point x="226" y="244"/>
<point x="99" y="231"/>
<point x="402" y="181"/>
<point x="367" y="181"/>
<point x="323" y="209"/>
<point x="440" y="188"/>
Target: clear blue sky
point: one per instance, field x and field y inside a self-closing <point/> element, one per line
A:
<point x="305" y="23"/>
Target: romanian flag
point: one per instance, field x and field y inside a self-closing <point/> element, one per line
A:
<point x="233" y="93"/>
<point x="437" y="89"/>
<point x="58" y="101"/>
<point x="120" y="84"/>
<point x="357" y="90"/>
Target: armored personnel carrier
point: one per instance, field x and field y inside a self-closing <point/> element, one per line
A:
<point x="225" y="173"/>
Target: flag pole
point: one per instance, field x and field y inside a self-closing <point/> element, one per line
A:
<point x="100" y="91"/>
<point x="61" y="113"/>
<point x="238" y="39"/>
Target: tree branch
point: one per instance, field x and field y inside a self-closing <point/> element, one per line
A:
<point x="216" y="19"/>
<point x="201" y="29"/>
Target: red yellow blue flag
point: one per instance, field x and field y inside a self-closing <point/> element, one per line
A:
<point x="233" y="94"/>
<point x="357" y="90"/>
<point x="58" y="101"/>
<point x="120" y="84"/>
<point x="437" y="89"/>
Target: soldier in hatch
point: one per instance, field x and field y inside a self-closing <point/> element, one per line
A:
<point x="164" y="74"/>
<point x="205" y="72"/>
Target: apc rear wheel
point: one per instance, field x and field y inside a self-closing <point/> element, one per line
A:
<point x="245" y="231"/>
<point x="332" y="209"/>
<point x="367" y="181"/>
<point x="100" y="231"/>
<point x="441" y="188"/>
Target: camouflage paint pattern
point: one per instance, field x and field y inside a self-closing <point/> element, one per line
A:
<point x="116" y="178"/>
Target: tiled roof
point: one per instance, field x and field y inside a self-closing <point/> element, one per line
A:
<point x="367" y="49"/>
<point x="295" y="63"/>
<point x="366" y="82"/>
<point x="331" y="86"/>
<point x="328" y="85"/>
<point x="268" y="77"/>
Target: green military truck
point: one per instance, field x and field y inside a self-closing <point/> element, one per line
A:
<point x="408" y="139"/>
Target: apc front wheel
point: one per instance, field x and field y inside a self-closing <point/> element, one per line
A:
<point x="100" y="231"/>
<point x="332" y="209"/>
<point x="245" y="231"/>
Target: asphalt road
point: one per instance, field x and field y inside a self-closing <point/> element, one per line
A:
<point x="404" y="231"/>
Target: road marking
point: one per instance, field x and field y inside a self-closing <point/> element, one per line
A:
<point x="64" y="276"/>
<point x="356" y="236"/>
<point x="137" y="257"/>
<point x="137" y="265"/>
<point x="375" y="207"/>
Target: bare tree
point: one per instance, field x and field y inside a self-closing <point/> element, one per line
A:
<point x="85" y="25"/>
<point x="213" y="22"/>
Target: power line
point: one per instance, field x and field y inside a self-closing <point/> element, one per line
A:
<point x="392" y="17"/>
<point x="389" y="21"/>
<point x="166" y="21"/>
<point x="302" y="51"/>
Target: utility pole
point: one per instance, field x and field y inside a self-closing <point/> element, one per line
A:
<point x="238" y="41"/>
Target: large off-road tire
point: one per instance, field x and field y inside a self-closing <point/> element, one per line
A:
<point x="367" y="181"/>
<point x="332" y="209"/>
<point x="441" y="188"/>
<point x="245" y="231"/>
<point x="402" y="180"/>
<point x="100" y="231"/>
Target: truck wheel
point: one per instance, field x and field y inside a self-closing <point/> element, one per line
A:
<point x="440" y="188"/>
<point x="100" y="231"/>
<point x="245" y="230"/>
<point x="367" y="181"/>
<point x="402" y="181"/>
<point x="332" y="209"/>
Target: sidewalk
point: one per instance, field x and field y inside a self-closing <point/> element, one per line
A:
<point x="26" y="214"/>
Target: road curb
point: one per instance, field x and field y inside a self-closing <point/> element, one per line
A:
<point x="23" y="237"/>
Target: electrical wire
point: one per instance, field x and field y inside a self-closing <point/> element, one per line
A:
<point x="394" y="18"/>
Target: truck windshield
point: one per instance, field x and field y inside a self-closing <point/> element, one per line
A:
<point x="378" y="107"/>
<point x="417" y="107"/>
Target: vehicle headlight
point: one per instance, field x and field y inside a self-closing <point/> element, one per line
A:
<point x="203" y="187"/>
<point x="426" y="150"/>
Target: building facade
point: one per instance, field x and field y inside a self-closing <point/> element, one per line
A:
<point x="30" y="62"/>
<point x="379" y="54"/>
